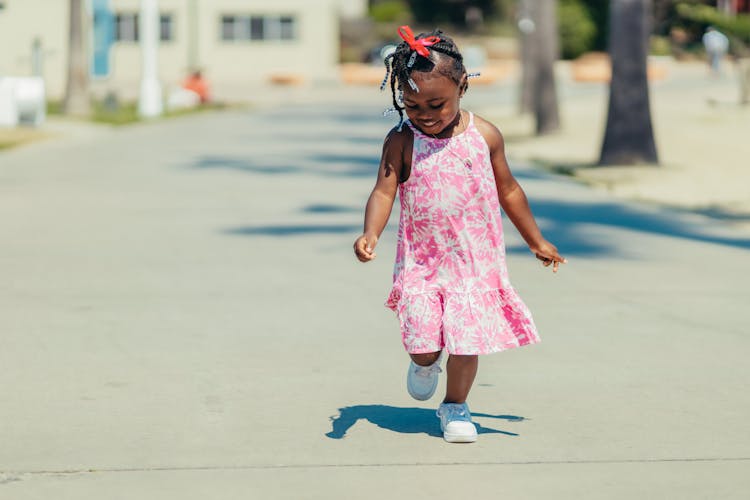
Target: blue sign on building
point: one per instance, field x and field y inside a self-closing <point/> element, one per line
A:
<point x="103" y="37"/>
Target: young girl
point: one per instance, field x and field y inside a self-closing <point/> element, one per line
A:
<point x="450" y="283"/>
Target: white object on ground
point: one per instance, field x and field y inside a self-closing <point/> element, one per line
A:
<point x="181" y="98"/>
<point x="22" y="100"/>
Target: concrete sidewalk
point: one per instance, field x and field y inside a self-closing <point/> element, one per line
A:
<point x="182" y="318"/>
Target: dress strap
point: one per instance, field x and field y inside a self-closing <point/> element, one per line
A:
<point x="414" y="129"/>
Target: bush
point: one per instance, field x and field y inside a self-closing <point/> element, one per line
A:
<point x="660" y="46"/>
<point x="577" y="29"/>
<point x="738" y="26"/>
<point x="390" y="11"/>
<point x="449" y="12"/>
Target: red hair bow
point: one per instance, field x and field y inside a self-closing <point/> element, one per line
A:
<point x="419" y="45"/>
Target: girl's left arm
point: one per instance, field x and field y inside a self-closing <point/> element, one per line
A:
<point x="514" y="201"/>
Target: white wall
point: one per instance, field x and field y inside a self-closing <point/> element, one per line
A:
<point x="23" y="20"/>
<point x="352" y="9"/>
<point x="314" y="54"/>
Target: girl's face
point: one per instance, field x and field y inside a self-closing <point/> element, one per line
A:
<point x="434" y="109"/>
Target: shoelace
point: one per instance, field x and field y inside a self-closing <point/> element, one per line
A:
<point x="454" y="411"/>
<point x="427" y="371"/>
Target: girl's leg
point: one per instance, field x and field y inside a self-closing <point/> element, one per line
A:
<point x="461" y="373"/>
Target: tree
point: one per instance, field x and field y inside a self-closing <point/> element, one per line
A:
<point x="76" y="100"/>
<point x="433" y="12"/>
<point x="539" y="51"/>
<point x="629" y="137"/>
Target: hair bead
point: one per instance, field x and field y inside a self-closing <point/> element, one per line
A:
<point x="385" y="81"/>
<point x="412" y="58"/>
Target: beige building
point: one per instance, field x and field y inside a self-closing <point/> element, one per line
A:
<point x="236" y="43"/>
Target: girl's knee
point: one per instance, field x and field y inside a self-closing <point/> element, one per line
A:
<point x="425" y="359"/>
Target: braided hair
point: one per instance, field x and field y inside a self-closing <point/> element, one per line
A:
<point x="404" y="60"/>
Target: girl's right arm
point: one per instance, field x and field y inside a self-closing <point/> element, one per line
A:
<point x="381" y="199"/>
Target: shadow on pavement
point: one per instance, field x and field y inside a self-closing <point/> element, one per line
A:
<point x="322" y="164"/>
<point x="329" y="208"/>
<point x="296" y="230"/>
<point x="403" y="420"/>
<point x="571" y="226"/>
<point x="311" y="113"/>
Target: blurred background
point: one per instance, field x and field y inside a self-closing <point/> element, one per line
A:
<point x="639" y="62"/>
<point x="236" y="43"/>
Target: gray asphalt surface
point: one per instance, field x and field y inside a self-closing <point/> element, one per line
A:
<point x="182" y="317"/>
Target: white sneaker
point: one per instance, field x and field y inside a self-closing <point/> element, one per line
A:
<point x="421" y="381"/>
<point x="455" y="422"/>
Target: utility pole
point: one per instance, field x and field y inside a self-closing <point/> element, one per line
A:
<point x="546" y="52"/>
<point x="150" y="101"/>
<point x="37" y="57"/>
<point x="537" y="26"/>
<point x="526" y="28"/>
<point x="728" y="7"/>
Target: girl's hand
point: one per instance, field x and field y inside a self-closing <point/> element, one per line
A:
<point x="364" y="247"/>
<point x="547" y="253"/>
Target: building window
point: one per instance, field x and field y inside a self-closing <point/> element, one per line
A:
<point x="258" y="28"/>
<point x="286" y="28"/>
<point x="166" y="27"/>
<point x="257" y="31"/>
<point x="127" y="28"/>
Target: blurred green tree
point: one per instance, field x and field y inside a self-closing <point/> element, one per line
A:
<point x="390" y="11"/>
<point x="599" y="12"/>
<point x="738" y="25"/>
<point x="577" y="28"/>
<point x="434" y="12"/>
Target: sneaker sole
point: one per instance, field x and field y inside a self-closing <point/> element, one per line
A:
<point x="460" y="438"/>
<point x="420" y="397"/>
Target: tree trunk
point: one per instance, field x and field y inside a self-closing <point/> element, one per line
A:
<point x="545" y="53"/>
<point x="76" y="100"/>
<point x="629" y="137"/>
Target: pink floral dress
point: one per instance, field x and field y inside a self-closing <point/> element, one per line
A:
<point x="450" y="282"/>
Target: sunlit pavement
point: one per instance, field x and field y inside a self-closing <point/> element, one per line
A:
<point x="182" y="317"/>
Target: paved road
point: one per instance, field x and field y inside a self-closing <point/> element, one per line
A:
<point x="182" y="318"/>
